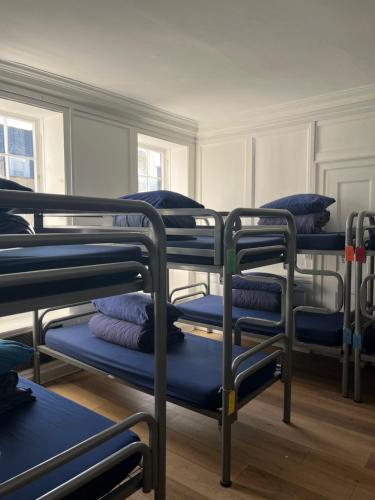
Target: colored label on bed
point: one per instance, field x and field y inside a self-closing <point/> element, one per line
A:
<point x="231" y="260"/>
<point x="360" y="254"/>
<point x="349" y="253"/>
<point x="231" y="402"/>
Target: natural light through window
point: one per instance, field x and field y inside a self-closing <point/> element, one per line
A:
<point x="150" y="169"/>
<point x="17" y="150"/>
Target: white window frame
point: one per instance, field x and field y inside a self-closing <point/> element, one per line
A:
<point x="38" y="179"/>
<point x="163" y="164"/>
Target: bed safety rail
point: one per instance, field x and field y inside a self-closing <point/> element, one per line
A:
<point x="146" y="478"/>
<point x="153" y="279"/>
<point x="197" y="293"/>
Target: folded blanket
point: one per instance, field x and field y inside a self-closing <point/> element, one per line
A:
<point x="8" y="383"/>
<point x="136" y="308"/>
<point x="19" y="397"/>
<point x="241" y="283"/>
<point x="305" y="224"/>
<point x="130" y="335"/>
<point x="257" y="299"/>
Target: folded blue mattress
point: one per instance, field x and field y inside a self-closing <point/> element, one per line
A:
<point x="62" y="256"/>
<point x="322" y="329"/>
<point x="207" y="243"/>
<point x="37" y="431"/>
<point x="194" y="366"/>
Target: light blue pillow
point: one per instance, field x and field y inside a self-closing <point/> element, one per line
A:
<point x="301" y="204"/>
<point x="13" y="354"/>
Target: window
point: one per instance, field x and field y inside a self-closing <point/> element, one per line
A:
<point x="17" y="150"/>
<point x="150" y="169"/>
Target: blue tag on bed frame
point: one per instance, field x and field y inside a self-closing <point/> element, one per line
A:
<point x="357" y="341"/>
<point x="347" y="336"/>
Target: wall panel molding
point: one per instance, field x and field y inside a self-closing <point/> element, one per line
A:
<point x="48" y="89"/>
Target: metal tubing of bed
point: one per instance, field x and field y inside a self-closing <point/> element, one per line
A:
<point x="254" y="350"/>
<point x="187" y="287"/>
<point x="255" y="367"/>
<point x="230" y="267"/>
<point x="347" y="327"/>
<point x="358" y="331"/>
<point x="103" y="466"/>
<point x="79" y="449"/>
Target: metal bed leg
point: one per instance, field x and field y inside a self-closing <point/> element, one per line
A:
<point x="228" y="395"/>
<point x="36" y="339"/>
<point x="357" y="337"/>
<point x="347" y="331"/>
<point x="289" y="336"/>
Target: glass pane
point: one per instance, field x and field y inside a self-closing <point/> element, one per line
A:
<point x="142" y="162"/>
<point x="155" y="164"/>
<point x="20" y="140"/>
<point x="2" y="145"/>
<point x="21" y="167"/>
<point x="142" y="183"/>
<point x="2" y="166"/>
<point x="154" y="184"/>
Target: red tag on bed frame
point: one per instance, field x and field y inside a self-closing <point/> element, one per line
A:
<point x="349" y="253"/>
<point x="360" y="254"/>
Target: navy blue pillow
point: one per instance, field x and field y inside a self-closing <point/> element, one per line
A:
<point x="240" y="283"/>
<point x="12" y="186"/>
<point x="13" y="354"/>
<point x="257" y="299"/>
<point x="135" y="308"/>
<point x="159" y="199"/>
<point x="300" y="204"/>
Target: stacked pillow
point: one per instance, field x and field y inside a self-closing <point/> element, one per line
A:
<point x="10" y="223"/>
<point x="160" y="199"/>
<point x="309" y="210"/>
<point x="13" y="354"/>
<point x="256" y="295"/>
<point x="128" y="320"/>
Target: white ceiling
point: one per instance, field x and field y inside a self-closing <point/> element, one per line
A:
<point x="204" y="59"/>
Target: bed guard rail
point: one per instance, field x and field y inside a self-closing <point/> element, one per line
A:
<point x="148" y="472"/>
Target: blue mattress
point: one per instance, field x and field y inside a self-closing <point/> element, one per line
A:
<point x="321" y="329"/>
<point x="37" y="431"/>
<point x="194" y="373"/>
<point x="62" y="256"/>
<point x="319" y="241"/>
<point x="207" y="243"/>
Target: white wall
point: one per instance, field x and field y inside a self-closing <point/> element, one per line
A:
<point x="332" y="153"/>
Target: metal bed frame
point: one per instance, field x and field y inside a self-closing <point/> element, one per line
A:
<point x="152" y="474"/>
<point x="364" y="290"/>
<point x="227" y="261"/>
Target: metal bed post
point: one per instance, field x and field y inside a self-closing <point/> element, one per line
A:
<point x="289" y="318"/>
<point x="357" y="337"/>
<point x="347" y="327"/>
<point x="36" y="342"/>
<point x="228" y="395"/>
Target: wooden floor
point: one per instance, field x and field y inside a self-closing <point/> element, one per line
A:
<point x="327" y="452"/>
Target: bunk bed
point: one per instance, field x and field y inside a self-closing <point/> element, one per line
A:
<point x="210" y="377"/>
<point x="39" y="271"/>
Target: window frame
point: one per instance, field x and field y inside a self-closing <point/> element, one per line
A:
<point x="163" y="164"/>
<point x="38" y="179"/>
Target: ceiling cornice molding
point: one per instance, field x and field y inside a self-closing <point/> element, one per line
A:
<point x="31" y="82"/>
<point x="334" y="104"/>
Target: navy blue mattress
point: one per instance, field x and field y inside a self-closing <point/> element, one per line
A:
<point x="37" y="431"/>
<point x="207" y="242"/>
<point x="321" y="329"/>
<point x="319" y="241"/>
<point x="194" y="374"/>
<point x="62" y="256"/>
